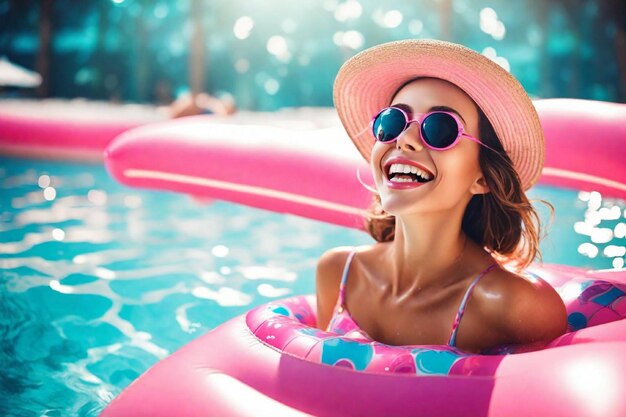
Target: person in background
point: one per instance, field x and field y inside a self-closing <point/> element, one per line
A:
<point x="202" y="103"/>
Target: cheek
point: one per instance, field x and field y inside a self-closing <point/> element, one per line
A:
<point x="460" y="170"/>
<point x="378" y="151"/>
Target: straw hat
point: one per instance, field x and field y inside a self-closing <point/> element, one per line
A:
<point x="366" y="83"/>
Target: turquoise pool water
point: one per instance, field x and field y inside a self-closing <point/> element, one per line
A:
<point x="98" y="281"/>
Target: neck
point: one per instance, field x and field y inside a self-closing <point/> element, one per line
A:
<point x="426" y="250"/>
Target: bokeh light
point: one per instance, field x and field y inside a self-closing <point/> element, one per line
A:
<point x="243" y="26"/>
<point x="349" y="10"/>
<point x="603" y="229"/>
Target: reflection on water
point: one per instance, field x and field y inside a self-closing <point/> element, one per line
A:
<point x="588" y="230"/>
<point x="97" y="282"/>
<point x="605" y="226"/>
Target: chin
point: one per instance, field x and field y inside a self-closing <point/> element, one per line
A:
<point x="402" y="205"/>
<point x="397" y="206"/>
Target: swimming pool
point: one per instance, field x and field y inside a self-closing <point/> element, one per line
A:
<point x="98" y="281"/>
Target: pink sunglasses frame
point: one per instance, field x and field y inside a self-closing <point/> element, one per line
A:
<point x="420" y="119"/>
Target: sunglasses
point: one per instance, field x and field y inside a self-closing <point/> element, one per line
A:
<point x="440" y="130"/>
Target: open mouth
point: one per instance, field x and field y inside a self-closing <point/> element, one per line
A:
<point x="407" y="173"/>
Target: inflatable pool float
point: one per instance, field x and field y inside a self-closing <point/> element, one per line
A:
<point x="81" y="130"/>
<point x="273" y="361"/>
<point x="63" y="129"/>
<point x="210" y="165"/>
<point x="204" y="159"/>
<point x="576" y="130"/>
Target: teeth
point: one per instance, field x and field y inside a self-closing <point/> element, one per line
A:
<point x="406" y="169"/>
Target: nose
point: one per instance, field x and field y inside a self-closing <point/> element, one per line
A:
<point x="410" y="139"/>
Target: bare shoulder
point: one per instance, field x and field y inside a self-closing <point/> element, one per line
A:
<point x="327" y="279"/>
<point x="522" y="309"/>
<point x="330" y="267"/>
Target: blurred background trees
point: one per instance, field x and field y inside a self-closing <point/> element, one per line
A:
<point x="276" y="53"/>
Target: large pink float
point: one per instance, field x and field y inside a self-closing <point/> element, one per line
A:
<point x="272" y="361"/>
<point x="585" y="145"/>
<point x="255" y="165"/>
<point x="62" y="129"/>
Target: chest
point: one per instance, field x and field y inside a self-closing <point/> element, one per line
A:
<point x="420" y="318"/>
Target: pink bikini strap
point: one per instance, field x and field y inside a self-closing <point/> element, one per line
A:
<point x="461" y="310"/>
<point x="344" y="277"/>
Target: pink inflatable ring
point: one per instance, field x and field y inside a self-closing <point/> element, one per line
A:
<point x="272" y="361"/>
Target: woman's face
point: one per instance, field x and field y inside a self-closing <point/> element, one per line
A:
<point x="455" y="174"/>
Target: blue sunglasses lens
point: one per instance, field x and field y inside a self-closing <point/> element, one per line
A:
<point x="389" y="124"/>
<point x="439" y="130"/>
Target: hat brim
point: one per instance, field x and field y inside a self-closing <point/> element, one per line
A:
<point x="366" y="83"/>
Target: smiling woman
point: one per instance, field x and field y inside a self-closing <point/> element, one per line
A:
<point x="444" y="235"/>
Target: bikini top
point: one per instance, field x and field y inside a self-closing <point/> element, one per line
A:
<point x="343" y="324"/>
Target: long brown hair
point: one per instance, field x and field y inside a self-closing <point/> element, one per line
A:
<point x="503" y="221"/>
